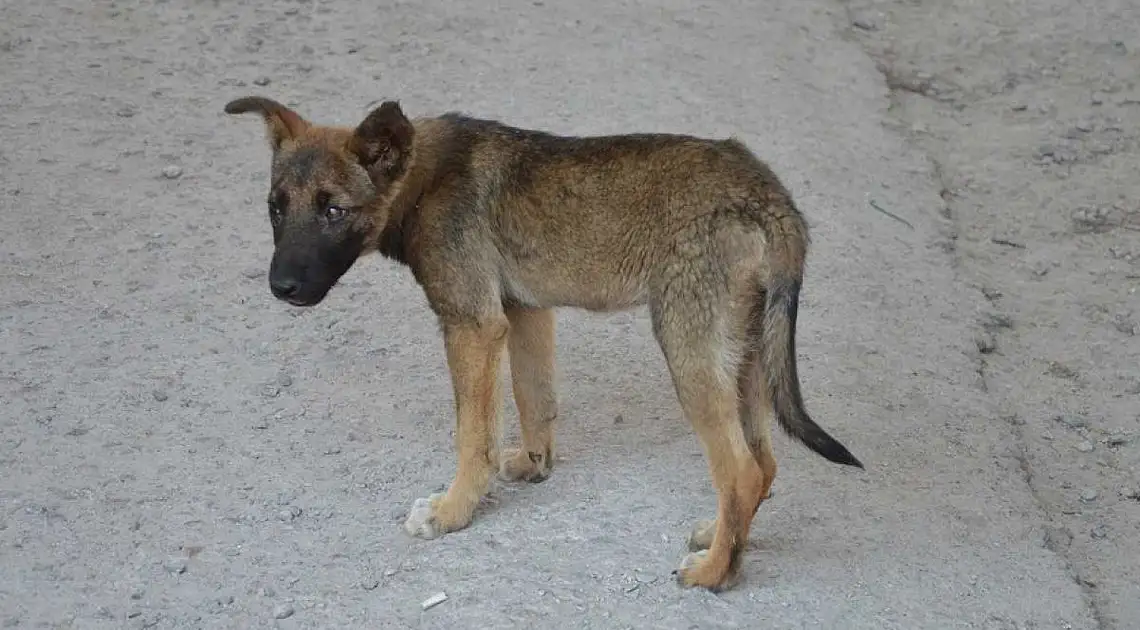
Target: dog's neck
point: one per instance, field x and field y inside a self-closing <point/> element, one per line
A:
<point x="422" y="174"/>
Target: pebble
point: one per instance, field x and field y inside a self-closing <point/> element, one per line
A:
<point x="1089" y="495"/>
<point x="1057" y="538"/>
<point x="1090" y="219"/>
<point x="253" y="273"/>
<point x="282" y="611"/>
<point x="1130" y="493"/>
<point x="1073" y="422"/>
<point x="284" y="380"/>
<point x="172" y="172"/>
<point x="175" y="565"/>
<point x="1085" y="446"/>
<point x="290" y="514"/>
<point x="266" y="591"/>
<point x="369" y="584"/>
<point x="1125" y="325"/>
<point x="271" y="391"/>
<point x="434" y="600"/>
<point x="127" y="111"/>
<point x="1117" y="440"/>
<point x="1099" y="532"/>
<point x="986" y="343"/>
<point x="262" y="81"/>
<point x="160" y="395"/>
<point x="261" y="424"/>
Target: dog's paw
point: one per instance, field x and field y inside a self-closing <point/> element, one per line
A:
<point x="519" y="465"/>
<point x="689" y="564"/>
<point x="421" y="521"/>
<point x="701" y="537"/>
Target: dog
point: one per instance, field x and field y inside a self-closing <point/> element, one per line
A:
<point x="501" y="225"/>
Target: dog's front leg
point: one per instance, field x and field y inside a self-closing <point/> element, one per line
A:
<point x="474" y="352"/>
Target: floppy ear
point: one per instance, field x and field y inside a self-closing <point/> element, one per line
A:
<point x="281" y="122"/>
<point x="383" y="141"/>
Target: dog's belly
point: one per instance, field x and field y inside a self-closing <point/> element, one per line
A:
<point x="576" y="288"/>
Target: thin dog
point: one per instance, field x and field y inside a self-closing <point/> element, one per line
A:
<point x="501" y="225"/>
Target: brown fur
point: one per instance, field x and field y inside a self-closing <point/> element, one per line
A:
<point x="501" y="225"/>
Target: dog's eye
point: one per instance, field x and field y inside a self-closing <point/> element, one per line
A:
<point x="333" y="213"/>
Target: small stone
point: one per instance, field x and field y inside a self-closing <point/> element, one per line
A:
<point x="1045" y="435"/>
<point x="1089" y="495"/>
<point x="1131" y="493"/>
<point x="332" y="450"/>
<point x="997" y="321"/>
<point x="1117" y="440"/>
<point x="1099" y="532"/>
<point x="1057" y="539"/>
<point x="1019" y="107"/>
<point x="618" y="419"/>
<point x="271" y="391"/>
<point x="290" y="514"/>
<point x="262" y="81"/>
<point x="127" y="111"/>
<point x="1071" y="421"/>
<point x="1084" y="446"/>
<point x="1060" y="370"/>
<point x="282" y="611"/>
<point x="266" y="591"/>
<point x="103" y="612"/>
<point x="175" y="566"/>
<point x="224" y="600"/>
<point x="1124" y="324"/>
<point x="252" y="273"/>
<point x="985" y="342"/>
<point x="389" y="572"/>
<point x="261" y="424"/>
<point x="160" y="395"/>
<point x="137" y="594"/>
<point x="1091" y="219"/>
<point x="172" y="171"/>
<point x="1084" y="126"/>
<point x="434" y="600"/>
<point x="284" y="380"/>
<point x="369" y="584"/>
<point x="864" y="23"/>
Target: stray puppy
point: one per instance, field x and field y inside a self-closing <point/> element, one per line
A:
<point x="501" y="225"/>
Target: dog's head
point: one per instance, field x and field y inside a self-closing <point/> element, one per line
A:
<point x="329" y="193"/>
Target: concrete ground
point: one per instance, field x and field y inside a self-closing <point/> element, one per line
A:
<point x="180" y="450"/>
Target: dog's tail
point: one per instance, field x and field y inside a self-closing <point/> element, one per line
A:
<point x="787" y="246"/>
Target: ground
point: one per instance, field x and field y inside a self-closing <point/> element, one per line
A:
<point x="180" y="450"/>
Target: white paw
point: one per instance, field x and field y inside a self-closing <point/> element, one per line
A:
<point x="421" y="520"/>
<point x="692" y="560"/>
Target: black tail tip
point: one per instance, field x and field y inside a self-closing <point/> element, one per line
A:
<point x="835" y="452"/>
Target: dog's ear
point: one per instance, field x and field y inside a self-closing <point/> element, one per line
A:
<point x="383" y="141"/>
<point x="281" y="122"/>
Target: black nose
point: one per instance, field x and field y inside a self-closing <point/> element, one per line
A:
<point x="284" y="287"/>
